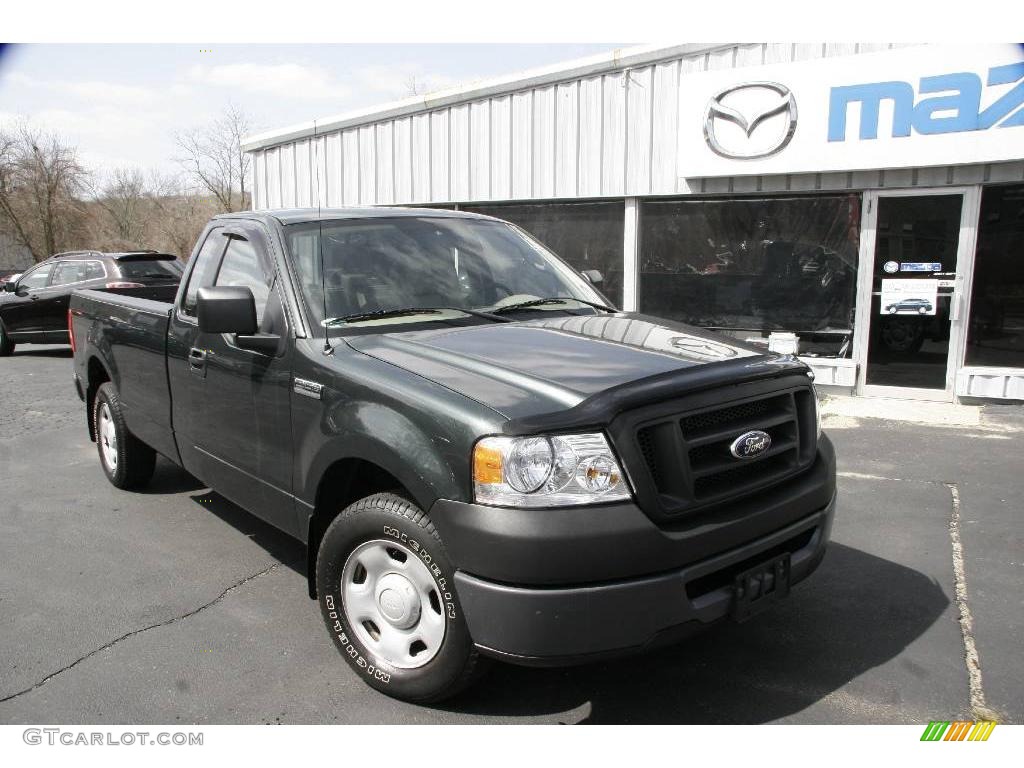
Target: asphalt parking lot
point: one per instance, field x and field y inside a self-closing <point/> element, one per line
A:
<point x="174" y="605"/>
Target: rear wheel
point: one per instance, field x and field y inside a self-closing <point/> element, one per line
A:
<point x="6" y="345"/>
<point x="127" y="462"/>
<point x="386" y="594"/>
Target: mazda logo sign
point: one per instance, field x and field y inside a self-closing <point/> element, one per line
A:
<point x="749" y="107"/>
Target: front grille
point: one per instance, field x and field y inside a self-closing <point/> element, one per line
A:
<point x="687" y="454"/>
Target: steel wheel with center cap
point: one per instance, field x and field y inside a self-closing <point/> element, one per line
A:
<point x="386" y="593"/>
<point x="392" y="603"/>
<point x="127" y="462"/>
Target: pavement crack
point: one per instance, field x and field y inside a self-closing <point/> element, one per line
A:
<point x="134" y="632"/>
<point x="979" y="708"/>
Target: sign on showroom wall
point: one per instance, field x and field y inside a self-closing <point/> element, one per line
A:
<point x="911" y="107"/>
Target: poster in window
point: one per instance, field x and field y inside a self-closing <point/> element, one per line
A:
<point x="909" y="297"/>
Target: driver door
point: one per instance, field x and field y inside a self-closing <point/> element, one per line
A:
<point x="22" y="312"/>
<point x="239" y="419"/>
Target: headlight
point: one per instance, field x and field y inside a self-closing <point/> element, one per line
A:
<point x="541" y="471"/>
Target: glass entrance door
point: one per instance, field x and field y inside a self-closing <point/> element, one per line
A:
<point x="913" y="324"/>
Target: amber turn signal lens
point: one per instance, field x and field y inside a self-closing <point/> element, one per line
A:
<point x="486" y="464"/>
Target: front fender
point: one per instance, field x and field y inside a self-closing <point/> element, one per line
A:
<point x="375" y="433"/>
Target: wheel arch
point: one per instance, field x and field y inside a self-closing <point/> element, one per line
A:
<point x="343" y="482"/>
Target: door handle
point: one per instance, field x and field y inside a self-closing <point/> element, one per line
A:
<point x="197" y="361"/>
<point x="34" y="297"/>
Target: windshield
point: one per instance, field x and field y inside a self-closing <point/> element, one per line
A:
<point x="376" y="265"/>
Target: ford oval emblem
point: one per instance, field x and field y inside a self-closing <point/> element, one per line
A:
<point x="751" y="444"/>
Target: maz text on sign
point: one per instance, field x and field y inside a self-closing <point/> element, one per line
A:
<point x="931" y="115"/>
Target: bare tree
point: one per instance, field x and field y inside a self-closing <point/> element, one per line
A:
<point x="178" y="215"/>
<point x="213" y="159"/>
<point x="41" y="179"/>
<point x="126" y="202"/>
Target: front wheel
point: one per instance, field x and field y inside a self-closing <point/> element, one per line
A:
<point x="387" y="596"/>
<point x="6" y="344"/>
<point x="127" y="462"/>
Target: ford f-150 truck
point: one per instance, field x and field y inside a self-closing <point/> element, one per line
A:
<point x="483" y="457"/>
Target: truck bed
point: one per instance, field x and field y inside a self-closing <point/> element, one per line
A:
<point x="128" y="334"/>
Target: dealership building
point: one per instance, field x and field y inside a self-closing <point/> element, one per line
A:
<point x="864" y="203"/>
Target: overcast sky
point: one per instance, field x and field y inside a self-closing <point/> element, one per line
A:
<point x="122" y="104"/>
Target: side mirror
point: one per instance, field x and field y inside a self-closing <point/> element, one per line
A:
<point x="593" y="275"/>
<point x="11" y="287"/>
<point x="226" y="309"/>
<point x="232" y="309"/>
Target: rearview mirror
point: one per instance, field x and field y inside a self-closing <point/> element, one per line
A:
<point x="11" y="286"/>
<point x="593" y="275"/>
<point x="226" y="309"/>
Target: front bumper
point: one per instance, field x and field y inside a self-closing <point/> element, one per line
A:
<point x="550" y="587"/>
<point x="577" y="624"/>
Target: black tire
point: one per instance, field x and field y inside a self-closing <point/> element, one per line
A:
<point x="133" y="460"/>
<point x="902" y="335"/>
<point x="392" y="520"/>
<point x="6" y="345"/>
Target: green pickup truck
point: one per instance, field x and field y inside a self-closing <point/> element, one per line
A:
<point x="483" y="457"/>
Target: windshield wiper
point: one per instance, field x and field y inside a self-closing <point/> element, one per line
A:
<point x="379" y="314"/>
<point x="552" y="300"/>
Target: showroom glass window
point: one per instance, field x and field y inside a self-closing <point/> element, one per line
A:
<point x="752" y="266"/>
<point x="995" y="334"/>
<point x="586" y="235"/>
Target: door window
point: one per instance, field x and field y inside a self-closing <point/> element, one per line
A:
<point x="36" y="278"/>
<point x="68" y="272"/>
<point x="914" y="274"/>
<point x="203" y="272"/>
<point x="242" y="267"/>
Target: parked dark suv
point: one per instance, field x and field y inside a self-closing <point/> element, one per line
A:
<point x="33" y="308"/>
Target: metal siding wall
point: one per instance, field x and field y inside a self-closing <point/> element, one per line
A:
<point x="613" y="122"/>
<point x="607" y="135"/>
<point x="480" y="150"/>
<point x="274" y="177"/>
<point x="639" y="101"/>
<point x="403" y="160"/>
<point x="459" y="117"/>
<point x="664" y="129"/>
<point x="350" y="160"/>
<point x="303" y="174"/>
<point x="522" y="144"/>
<point x="501" y="147"/>
<point x="544" y="142"/>
<point x="439" y="145"/>
<point x="590" y="136"/>
<point x="367" y="144"/>
<point x="421" y="177"/>
<point x="259" y="181"/>
<point x="335" y="170"/>
<point x="567" y="139"/>
<point x="287" y="180"/>
<point x="385" y="162"/>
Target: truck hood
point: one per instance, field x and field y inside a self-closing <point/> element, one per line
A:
<point x="522" y="369"/>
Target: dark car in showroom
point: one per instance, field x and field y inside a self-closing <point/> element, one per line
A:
<point x="33" y="308"/>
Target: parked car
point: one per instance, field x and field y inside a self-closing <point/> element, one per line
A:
<point x="482" y="457"/>
<point x="921" y="306"/>
<point x="34" y="306"/>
